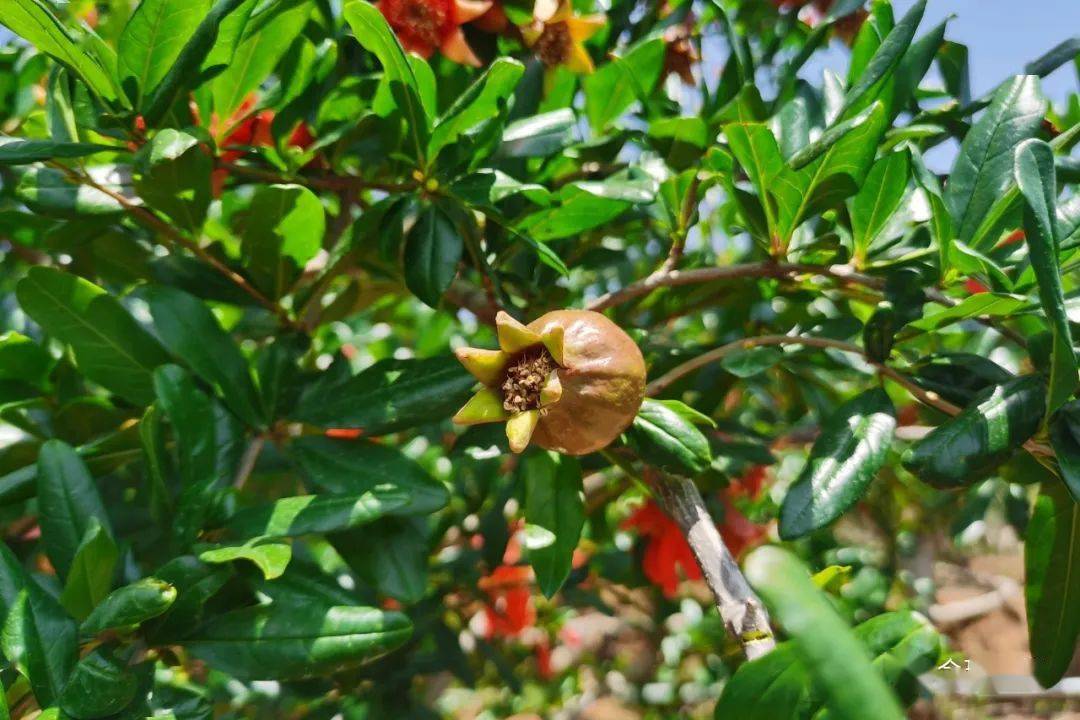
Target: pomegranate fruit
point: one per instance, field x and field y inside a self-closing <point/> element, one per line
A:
<point x="570" y="381"/>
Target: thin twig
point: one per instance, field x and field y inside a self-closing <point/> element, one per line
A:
<point x="319" y="182"/>
<point x="247" y="462"/>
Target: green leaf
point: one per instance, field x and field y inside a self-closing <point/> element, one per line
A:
<point x="1052" y="581"/>
<point x="1065" y="439"/>
<point x="279" y="641"/>
<point x="284" y="230"/>
<point x="174" y="178"/>
<point x="185" y="72"/>
<point x="401" y="574"/>
<point x="1037" y="182"/>
<point x="130" y="606"/>
<point x="53" y="193"/>
<point x="667" y="440"/>
<point x="974" y="443"/>
<point x="331" y="466"/>
<point x="852" y="447"/>
<point x="151" y="42"/>
<point x="1064" y="52"/>
<point x="829" y="139"/>
<point x="22" y="151"/>
<point x="34" y="22"/>
<point x="748" y="362"/>
<point x="69" y="503"/>
<point x="188" y="408"/>
<point x="308" y="514"/>
<point x="973" y="306"/>
<point x="38" y="638"/>
<point x="266" y="38"/>
<point x="192" y="333"/>
<point x="830" y="179"/>
<point x="618" y="83"/>
<point x="270" y="557"/>
<point x="485" y="99"/>
<point x="820" y="637"/>
<point x="23" y="359"/>
<point x="195" y="583"/>
<point x="370" y="28"/>
<point x="984" y="168"/>
<point x="886" y="59"/>
<point x="92" y="571"/>
<point x="958" y="377"/>
<point x="539" y="135"/>
<point x="878" y="199"/>
<point x="100" y="685"/>
<point x="554" y="501"/>
<point x="433" y="250"/>
<point x="389" y="396"/>
<point x="903" y="646"/>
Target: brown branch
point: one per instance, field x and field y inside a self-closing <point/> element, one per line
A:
<point x="740" y="608"/>
<point x="676" y="278"/>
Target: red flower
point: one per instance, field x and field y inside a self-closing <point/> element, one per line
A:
<point x="424" y="26"/>
<point x="252" y="131"/>
<point x="509" y="609"/>
<point x="667" y="549"/>
<point x="974" y="287"/>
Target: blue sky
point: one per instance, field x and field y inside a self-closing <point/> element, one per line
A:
<point x="1004" y="35"/>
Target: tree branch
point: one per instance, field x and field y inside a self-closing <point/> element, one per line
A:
<point x="742" y="611"/>
<point x="767" y="269"/>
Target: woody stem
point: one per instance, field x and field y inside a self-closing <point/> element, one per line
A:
<point x="740" y="608"/>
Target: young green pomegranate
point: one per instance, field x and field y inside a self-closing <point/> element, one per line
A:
<point x="570" y="381"/>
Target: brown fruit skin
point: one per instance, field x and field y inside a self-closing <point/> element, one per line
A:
<point x="603" y="383"/>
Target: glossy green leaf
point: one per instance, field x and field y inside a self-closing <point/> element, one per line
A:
<point x="1037" y="182"/>
<point x="273" y="642"/>
<point x="485" y="99"/>
<point x="433" y="249"/>
<point x="130" y="606"/>
<point x="1064" y="52"/>
<point x="1052" y="584"/>
<point x="353" y="467"/>
<point x="195" y="583"/>
<point x="174" y="177"/>
<point x="984" y="168"/>
<point x="100" y="685"/>
<point x="537" y="136"/>
<point x="23" y="359"/>
<point x="967" y="447"/>
<point x="852" y="447"/>
<point x="307" y="514"/>
<point x="838" y="663"/>
<point x="903" y="646"/>
<point x="187" y="408"/>
<point x="92" y="571"/>
<point x="554" y="501"/>
<point x="266" y="38"/>
<point x="389" y="396"/>
<point x="667" y="440"/>
<point x="110" y="347"/>
<point x="53" y="193"/>
<point x="20" y="151"/>
<point x="38" y="638"/>
<point x="828" y="140"/>
<point x="370" y="28"/>
<point x="958" y="377"/>
<point x="270" y="557"/>
<point x="878" y="199"/>
<point x="151" y="42"/>
<point x="35" y="22"/>
<point x="69" y="502"/>
<point x="619" y="82"/>
<point x="192" y="333"/>
<point x="283" y="231"/>
<point x="885" y="59"/>
<point x="973" y="306"/>
<point x="1065" y="439"/>
<point x="401" y="574"/>
<point x="184" y="74"/>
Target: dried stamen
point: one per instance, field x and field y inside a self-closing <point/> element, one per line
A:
<point x="525" y="378"/>
<point x="554" y="44"/>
